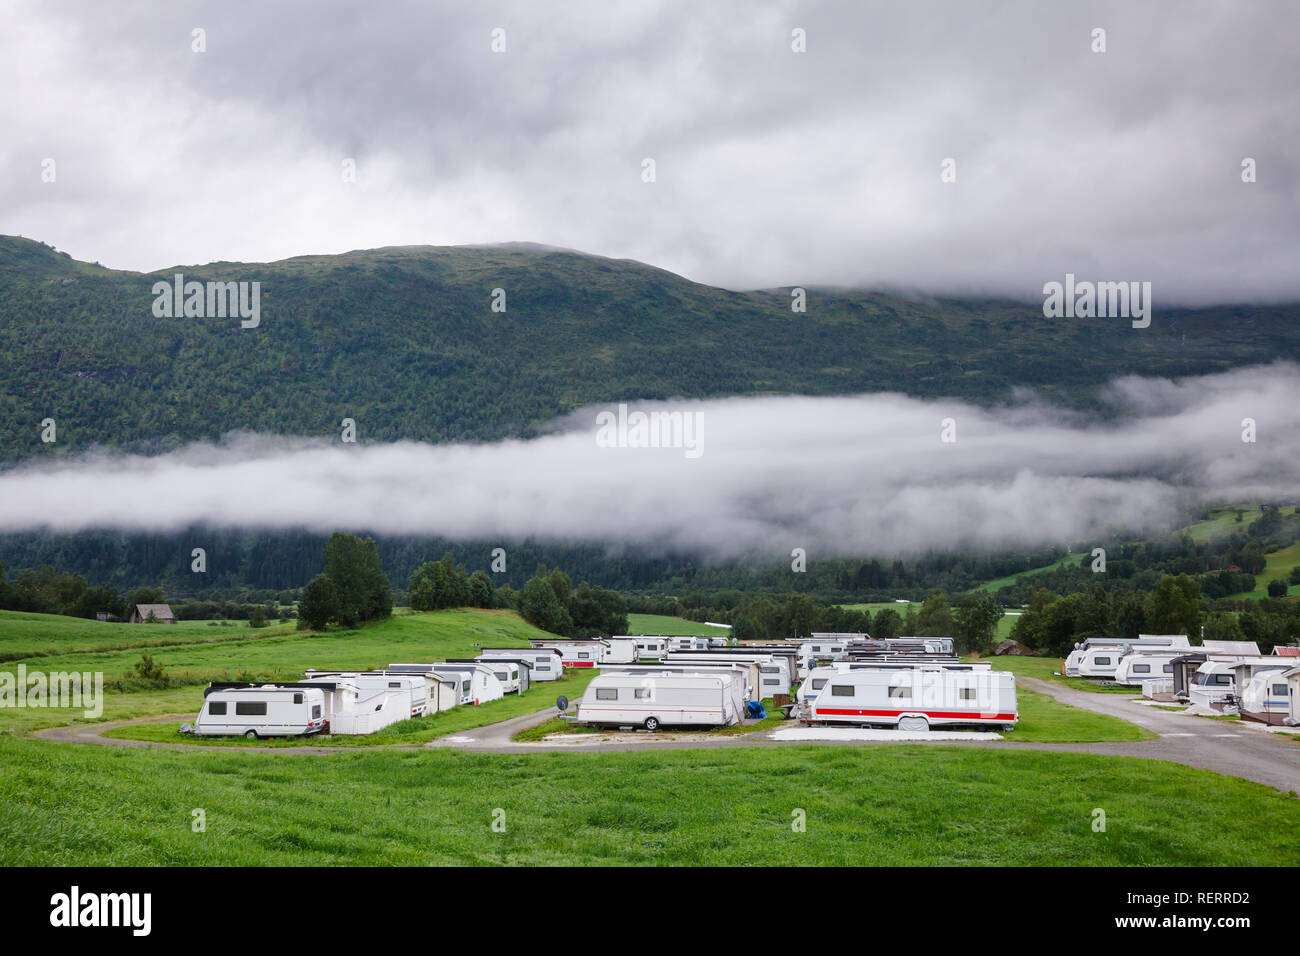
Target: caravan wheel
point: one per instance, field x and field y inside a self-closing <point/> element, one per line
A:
<point x="651" y="724"/>
<point x="913" y="723"/>
<point x="250" y="734"/>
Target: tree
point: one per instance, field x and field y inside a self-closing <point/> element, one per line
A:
<point x="258" y="616"/>
<point x="1174" y="607"/>
<point x="541" y="608"/>
<point x="436" y="585"/>
<point x="1277" y="588"/>
<point x="480" y="590"/>
<point x="976" y="621"/>
<point x="353" y="566"/>
<point x="935" y="617"/>
<point x="887" y="624"/>
<point x="596" y="612"/>
<point x="144" y="595"/>
<point x="318" y="604"/>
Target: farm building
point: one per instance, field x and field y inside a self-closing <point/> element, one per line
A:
<point x="144" y="613"/>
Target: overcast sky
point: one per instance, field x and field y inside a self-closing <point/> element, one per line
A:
<point x="848" y="475"/>
<point x="772" y="167"/>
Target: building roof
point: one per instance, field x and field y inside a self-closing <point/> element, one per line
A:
<point x="162" y="612"/>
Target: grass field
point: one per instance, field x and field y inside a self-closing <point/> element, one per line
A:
<point x="1045" y="668"/>
<point x="68" y="804"/>
<point x="662" y="624"/>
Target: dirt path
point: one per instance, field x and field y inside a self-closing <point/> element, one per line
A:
<point x="1237" y="750"/>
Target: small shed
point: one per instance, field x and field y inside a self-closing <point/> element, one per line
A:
<point x="161" y="613"/>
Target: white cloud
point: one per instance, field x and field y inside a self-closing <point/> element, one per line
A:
<point x="856" y="475"/>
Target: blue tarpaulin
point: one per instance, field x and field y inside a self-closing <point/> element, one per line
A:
<point x="756" y="709"/>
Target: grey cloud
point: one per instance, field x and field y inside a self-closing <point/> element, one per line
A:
<point x="858" y="475"/>
<point x="774" y="168"/>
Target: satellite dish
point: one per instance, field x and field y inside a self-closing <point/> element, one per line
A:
<point x="562" y="703"/>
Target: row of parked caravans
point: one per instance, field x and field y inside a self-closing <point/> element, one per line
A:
<point x="909" y="690"/>
<point x="1168" y="667"/>
<point x="362" y="702"/>
<point x="688" y="687"/>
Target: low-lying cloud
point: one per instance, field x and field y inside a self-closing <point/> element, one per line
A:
<point x="867" y="474"/>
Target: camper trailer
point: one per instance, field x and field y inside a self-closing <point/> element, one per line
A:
<point x="683" y="642"/>
<point x="412" y="690"/>
<point x="663" y="700"/>
<point x="774" y="671"/>
<point x="916" y="698"/>
<point x="818" y="677"/>
<point x="747" y="671"/>
<point x="621" y="650"/>
<point x="512" y="675"/>
<point x="1265" y="696"/>
<point x="1292" y="677"/>
<point x="1142" y="667"/>
<point x="580" y="654"/>
<point x="268" y="710"/>
<point x="1141" y="642"/>
<point x="651" y="648"/>
<point x="547" y="663"/>
<point x="478" y="683"/>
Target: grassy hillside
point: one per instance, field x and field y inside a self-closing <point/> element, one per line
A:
<point x="197" y="653"/>
<point x="403" y="340"/>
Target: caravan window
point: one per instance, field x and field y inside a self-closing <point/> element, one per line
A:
<point x="395" y="683"/>
<point x="818" y="683"/>
<point x="1102" y="661"/>
<point x="607" y="693"/>
<point x="1279" y="690"/>
<point x="1141" y="668"/>
<point x="250" y="708"/>
<point x="297" y="698"/>
<point x="216" y="708"/>
<point x="771" y="681"/>
<point x="583" y="655"/>
<point x="643" y="693"/>
<point x="501" y="675"/>
<point x="464" y="685"/>
<point x="901" y="692"/>
<point x="1169" y="668"/>
<point x="966" y="693"/>
<point x="841" y="690"/>
<point x="315" y="711"/>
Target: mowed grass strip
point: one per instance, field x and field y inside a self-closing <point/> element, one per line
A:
<point x="413" y="732"/>
<point x="1048" y="669"/>
<point x="891" y="805"/>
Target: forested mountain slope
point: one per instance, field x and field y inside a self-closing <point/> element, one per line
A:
<point x="404" y="341"/>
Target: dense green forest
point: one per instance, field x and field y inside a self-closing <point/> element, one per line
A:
<point x="404" y="341"/>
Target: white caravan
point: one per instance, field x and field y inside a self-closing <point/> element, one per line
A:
<point x="745" y="671"/>
<point x="265" y="711"/>
<point x="621" y="650"/>
<point x="1140" y="668"/>
<point x="654" y="701"/>
<point x="651" y="648"/>
<point x="478" y="684"/>
<point x="1292" y="676"/>
<point x="512" y="675"/>
<point x="1266" y="692"/>
<point x="683" y="642"/>
<point x="1143" y="641"/>
<point x="819" y="677"/>
<point x="411" y="690"/>
<point x="581" y="654"/>
<point x="774" y="670"/>
<point x="1101" y="662"/>
<point x="548" y="664"/>
<point x="916" y="698"/>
